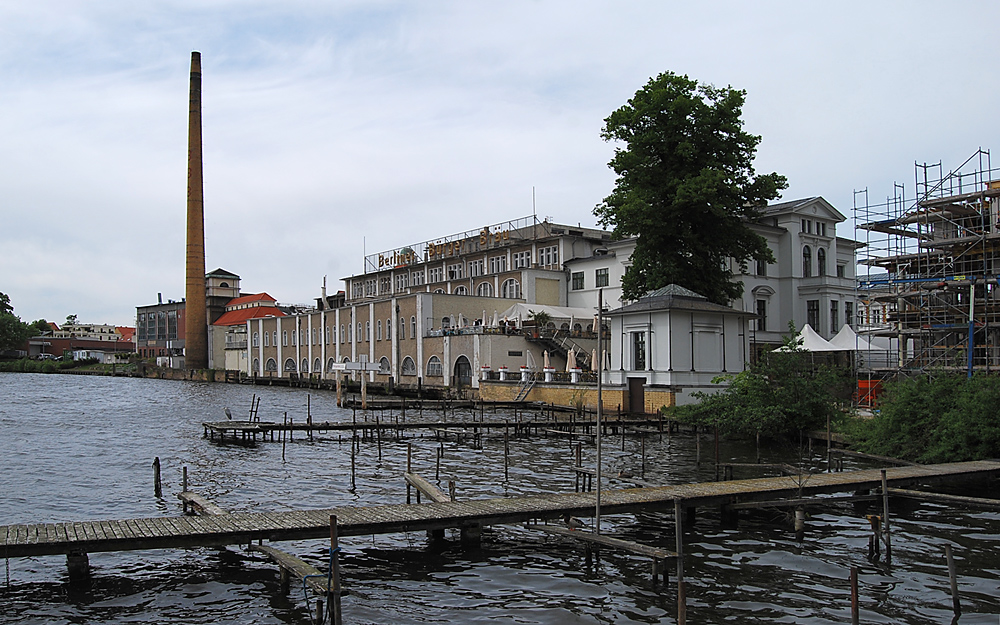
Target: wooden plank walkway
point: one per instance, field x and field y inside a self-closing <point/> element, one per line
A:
<point x="179" y="532"/>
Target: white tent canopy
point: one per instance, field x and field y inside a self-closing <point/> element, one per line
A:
<point x="848" y="340"/>
<point x="524" y="312"/>
<point x="810" y="341"/>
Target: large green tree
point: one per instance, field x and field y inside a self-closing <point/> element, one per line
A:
<point x="13" y="333"/>
<point x="686" y="187"/>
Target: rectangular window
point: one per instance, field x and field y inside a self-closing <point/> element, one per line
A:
<point x="370" y="286"/>
<point x="577" y="280"/>
<point x="521" y="259"/>
<point x="761" y="267"/>
<point x="456" y="271"/>
<point x="762" y="315"/>
<point x="848" y="313"/>
<point x="435" y="274"/>
<point x="638" y="351"/>
<point x="171" y="325"/>
<point x="515" y="353"/>
<point x="417" y="278"/>
<point x="812" y="313"/>
<point x="475" y="268"/>
<point x="834" y="316"/>
<point x="161" y="326"/>
<point x="357" y="290"/>
<point x="402" y="281"/>
<point x="548" y="256"/>
<point x="498" y="264"/>
<point x="803" y="225"/>
<point x="385" y="285"/>
<point x="601" y="278"/>
<point x="841" y="271"/>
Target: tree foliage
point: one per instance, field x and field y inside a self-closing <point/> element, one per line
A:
<point x="13" y="333"/>
<point x="779" y="395"/>
<point x="947" y="418"/>
<point x="686" y="185"/>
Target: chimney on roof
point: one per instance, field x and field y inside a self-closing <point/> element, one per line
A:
<point x="159" y="298"/>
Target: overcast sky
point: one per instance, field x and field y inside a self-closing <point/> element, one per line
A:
<point x="334" y="127"/>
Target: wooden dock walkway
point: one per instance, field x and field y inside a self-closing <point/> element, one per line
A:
<point x="249" y="430"/>
<point x="241" y="528"/>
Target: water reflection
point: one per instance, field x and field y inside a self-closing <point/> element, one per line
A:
<point x="80" y="448"/>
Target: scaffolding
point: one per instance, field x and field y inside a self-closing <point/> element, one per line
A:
<point x="930" y="295"/>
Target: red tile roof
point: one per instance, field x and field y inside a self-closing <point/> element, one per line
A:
<point x="250" y="297"/>
<point x="125" y="332"/>
<point x="239" y="317"/>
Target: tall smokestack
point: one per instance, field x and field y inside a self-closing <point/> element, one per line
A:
<point x="195" y="315"/>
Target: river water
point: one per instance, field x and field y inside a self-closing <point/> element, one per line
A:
<point x="80" y="448"/>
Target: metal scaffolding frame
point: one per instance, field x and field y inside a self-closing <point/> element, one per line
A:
<point x="934" y="261"/>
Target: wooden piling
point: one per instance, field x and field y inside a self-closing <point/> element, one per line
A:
<point x="854" y="596"/>
<point x="157" y="489"/>
<point x="506" y="453"/>
<point x="409" y="467"/>
<point x="885" y="519"/>
<point x="953" y="579"/>
<point x="334" y="572"/>
<point x="679" y="531"/>
<point x="353" y="464"/>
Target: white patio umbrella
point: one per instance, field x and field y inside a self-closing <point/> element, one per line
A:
<point x="570" y="360"/>
<point x="593" y="360"/>
<point x="545" y="359"/>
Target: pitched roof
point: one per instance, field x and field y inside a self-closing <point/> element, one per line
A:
<point x="250" y="297"/>
<point x="674" y="297"/>
<point x="238" y="317"/>
<point x="125" y="332"/>
<point x="221" y="273"/>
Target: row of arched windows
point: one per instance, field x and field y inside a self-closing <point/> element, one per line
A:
<point x="408" y="367"/>
<point x="807" y="262"/>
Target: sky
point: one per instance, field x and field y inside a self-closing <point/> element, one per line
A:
<point x="334" y="128"/>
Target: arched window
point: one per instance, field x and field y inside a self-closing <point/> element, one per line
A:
<point x="305" y="366"/>
<point x="317" y="365"/>
<point x="327" y="335"/>
<point x="408" y="368"/>
<point x="461" y="290"/>
<point x="368" y="331"/>
<point x="267" y="335"/>
<point x="357" y="339"/>
<point x="343" y="336"/>
<point x="295" y="336"/>
<point x="314" y="336"/>
<point x="383" y="366"/>
<point x="256" y="362"/>
<point x="439" y="290"/>
<point x="388" y="329"/>
<point x="347" y="359"/>
<point x="434" y="367"/>
<point x="445" y="322"/>
<point x="275" y="336"/>
<point x="413" y="327"/>
<point x="510" y="289"/>
<point x="255" y="339"/>
<point x="289" y="365"/>
<point x="378" y="329"/>
<point x="330" y="363"/>
<point x="485" y="289"/>
<point x="284" y="338"/>
<point x="271" y="365"/>
<point x="402" y="328"/>
<point x="820" y="261"/>
<point x="806" y="262"/>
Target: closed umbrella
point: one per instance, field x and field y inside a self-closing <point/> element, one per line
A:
<point x="570" y="360"/>
<point x="545" y="359"/>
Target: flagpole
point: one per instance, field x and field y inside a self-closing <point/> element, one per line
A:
<point x="600" y="374"/>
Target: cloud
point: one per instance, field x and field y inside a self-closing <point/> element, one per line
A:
<point x="335" y="128"/>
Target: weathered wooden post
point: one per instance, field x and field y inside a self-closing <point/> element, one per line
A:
<point x="854" y="596"/>
<point x="353" y="485"/>
<point x="378" y="434"/>
<point x="157" y="490"/>
<point x="437" y="468"/>
<point x="885" y="519"/>
<point x="334" y="572"/>
<point x="506" y="453"/>
<point x="681" y="596"/>
<point x="800" y="523"/>
<point x="953" y="578"/>
<point x="409" y="468"/>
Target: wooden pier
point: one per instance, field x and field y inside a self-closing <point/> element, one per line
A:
<point x="83" y="537"/>
<point x="249" y="431"/>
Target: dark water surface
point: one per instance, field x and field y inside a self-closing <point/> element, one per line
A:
<point x="77" y="448"/>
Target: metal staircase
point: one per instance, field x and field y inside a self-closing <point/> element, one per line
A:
<point x="524" y="387"/>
